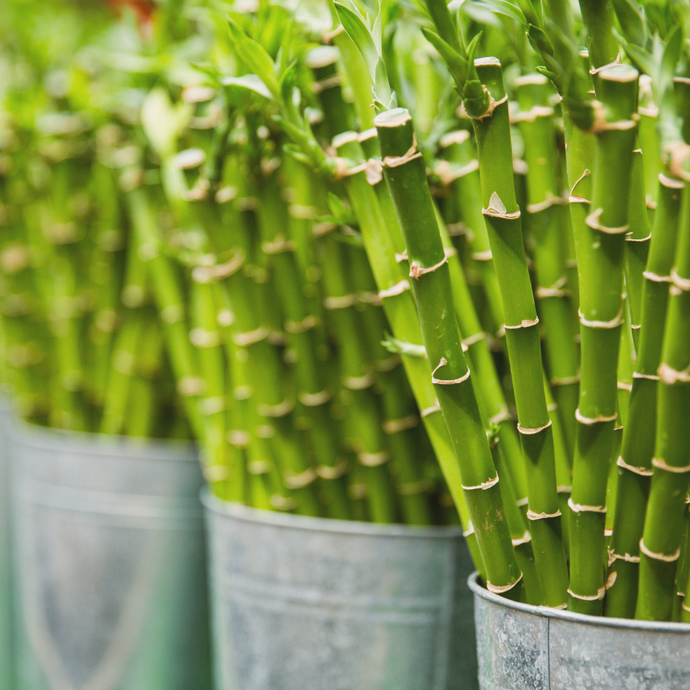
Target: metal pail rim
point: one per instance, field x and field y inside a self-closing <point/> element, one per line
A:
<point x="82" y="442"/>
<point x="288" y="520"/>
<point x="599" y="621"/>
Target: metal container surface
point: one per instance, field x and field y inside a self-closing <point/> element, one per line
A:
<point x="5" y="554"/>
<point x="522" y="647"/>
<point x="305" y="603"/>
<point x="109" y="564"/>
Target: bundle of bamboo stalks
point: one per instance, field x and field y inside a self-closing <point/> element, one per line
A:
<point x="370" y="242"/>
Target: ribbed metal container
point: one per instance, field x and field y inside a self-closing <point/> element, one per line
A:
<point x="522" y="647"/>
<point x="303" y="603"/>
<point x="109" y="564"/>
<point x="5" y="553"/>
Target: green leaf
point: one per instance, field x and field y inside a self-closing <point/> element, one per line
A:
<point x="457" y="64"/>
<point x="672" y="53"/>
<point x="341" y="214"/>
<point x="248" y="81"/>
<point x="632" y="21"/>
<point x="641" y="59"/>
<point x="358" y="31"/>
<point x="163" y="122"/>
<point x="508" y="9"/>
<point x="255" y="57"/>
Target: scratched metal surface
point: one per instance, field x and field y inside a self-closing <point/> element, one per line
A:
<point x="312" y="604"/>
<point x="523" y="647"/>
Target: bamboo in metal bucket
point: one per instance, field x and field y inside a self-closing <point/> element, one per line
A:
<point x="523" y="647"/>
<point x="303" y="603"/>
<point x="109" y="564"/>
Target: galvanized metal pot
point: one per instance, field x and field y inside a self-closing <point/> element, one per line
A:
<point x="5" y="553"/>
<point x="303" y="603"/>
<point x="522" y="647"/>
<point x="109" y="564"/>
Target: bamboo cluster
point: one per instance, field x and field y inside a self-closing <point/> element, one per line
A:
<point x="378" y="235"/>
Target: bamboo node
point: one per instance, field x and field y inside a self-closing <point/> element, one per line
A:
<point x="576" y="198"/>
<point x="482" y="256"/>
<point x="257" y="467"/>
<point x="671" y="376"/>
<point x="201" y="338"/>
<point x="315" y="399"/>
<point x="300" y="480"/>
<point x="483" y="486"/>
<point x="417" y="271"/>
<point x="611" y="580"/>
<point x="593" y="323"/>
<point x="522" y="502"/>
<point x="430" y="410"/>
<point x="472" y="339"/>
<point x="402" y="256"/>
<point x="389" y="363"/>
<point x="172" y="313"/>
<point x="565" y="380"/>
<point x="469" y="531"/>
<point x="601" y="593"/>
<point x="592" y="221"/>
<point x="544" y="205"/>
<point x="329" y="472"/>
<point x="395" y="426"/>
<point x="666" y="558"/>
<point x="524" y="539"/>
<point x="373" y="459"/>
<point x="251" y="337"/>
<point x="531" y="515"/>
<point x="627" y="557"/>
<point x="238" y="438"/>
<point x="532" y="431"/>
<point x="413" y="488"/>
<point x="215" y="473"/>
<point x="661" y="464"/>
<point x="680" y="282"/>
<point x="649" y="377"/>
<point x="276" y="411"/>
<point x="189" y="386"/>
<point x="447" y="382"/>
<point x="330" y="82"/>
<point x="526" y="323"/>
<point x="581" y="508"/>
<point x="459" y="136"/>
<point x="564" y="489"/>
<point x="409" y="155"/>
<point x="278" y="245"/>
<point x="358" y="383"/>
<point x="448" y="173"/>
<point x="656" y="278"/>
<point x="532" y="114"/>
<point x="502" y="416"/>
<point x="373" y="171"/>
<point x="670" y="182"/>
<point x="395" y="290"/>
<point x="589" y="421"/>
<point x="497" y="209"/>
<point x="211" y="406"/>
<point x="502" y="589"/>
<point x="341" y="302"/>
<point x="306" y="324"/>
<point x="283" y="503"/>
<point x="630" y="238"/>
<point x="642" y="471"/>
<point x="493" y="104"/>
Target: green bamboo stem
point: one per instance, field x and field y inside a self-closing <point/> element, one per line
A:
<point x="665" y="517"/>
<point x="502" y="217"/>
<point x="639" y="436"/>
<point x="400" y="311"/>
<point x="406" y="179"/>
<point x="600" y="250"/>
<point x="545" y="226"/>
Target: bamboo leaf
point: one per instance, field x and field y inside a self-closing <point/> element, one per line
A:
<point x="455" y="62"/>
<point x="255" y="57"/>
<point x="631" y="19"/>
<point x="248" y="81"/>
<point x="358" y="31"/>
<point x="507" y="9"/>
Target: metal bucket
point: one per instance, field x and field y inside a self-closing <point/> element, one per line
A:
<point x="522" y="647"/>
<point x="109" y="564"/>
<point x="304" y="603"/>
<point x="5" y="553"/>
